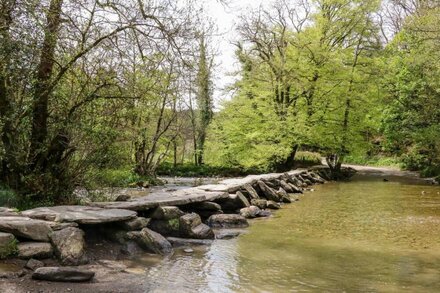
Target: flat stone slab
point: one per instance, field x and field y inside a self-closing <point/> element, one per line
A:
<point x="63" y="274"/>
<point x="80" y="214"/>
<point x="26" y="228"/>
<point x="175" y="198"/>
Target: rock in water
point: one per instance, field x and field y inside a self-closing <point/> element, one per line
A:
<point x="227" y="221"/>
<point x="273" y="205"/>
<point x="26" y="228"/>
<point x="28" y="250"/>
<point x="191" y="226"/>
<point x="151" y="241"/>
<point x="134" y="224"/>
<point x="165" y="227"/>
<point x="63" y="274"/>
<point x="8" y="244"/>
<point x="167" y="213"/>
<point x="69" y="246"/>
<point x="251" y="191"/>
<point x="250" y="212"/>
<point x="268" y="192"/>
<point x="261" y="203"/>
<point x="283" y="195"/>
<point x="34" y="264"/>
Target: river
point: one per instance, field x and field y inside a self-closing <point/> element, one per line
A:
<point x="364" y="235"/>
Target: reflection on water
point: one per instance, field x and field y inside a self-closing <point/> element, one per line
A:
<point x="365" y="235"/>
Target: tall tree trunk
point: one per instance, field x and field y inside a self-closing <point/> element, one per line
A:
<point x="42" y="92"/>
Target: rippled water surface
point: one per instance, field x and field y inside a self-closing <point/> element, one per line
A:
<point x="364" y="235"/>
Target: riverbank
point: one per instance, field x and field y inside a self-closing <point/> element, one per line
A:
<point x="112" y="266"/>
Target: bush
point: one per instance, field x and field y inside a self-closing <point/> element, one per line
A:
<point x="125" y="177"/>
<point x="378" y="161"/>
<point x="191" y="170"/>
<point x="8" y="198"/>
<point x="305" y="159"/>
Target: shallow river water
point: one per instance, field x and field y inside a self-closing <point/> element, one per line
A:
<point x="365" y="235"/>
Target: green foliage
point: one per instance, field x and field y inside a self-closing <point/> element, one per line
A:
<point x="378" y="161"/>
<point x="304" y="159"/>
<point x="8" y="197"/>
<point x="192" y="170"/>
<point x="122" y="177"/>
<point x="9" y="250"/>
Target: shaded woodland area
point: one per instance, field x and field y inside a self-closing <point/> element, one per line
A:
<point x="94" y="92"/>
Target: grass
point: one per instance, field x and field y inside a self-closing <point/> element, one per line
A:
<point x="307" y="159"/>
<point x="376" y="161"/>
<point x="9" y="249"/>
<point x="191" y="170"/>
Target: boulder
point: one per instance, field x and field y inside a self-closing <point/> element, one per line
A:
<point x="59" y="226"/>
<point x="261" y="203"/>
<point x="250" y="212"/>
<point x="80" y="214"/>
<point x="137" y="223"/>
<point x="26" y="228"/>
<point x="206" y="206"/>
<point x="286" y="186"/>
<point x="63" y="274"/>
<point x="8" y="244"/>
<point x="69" y="246"/>
<point x="34" y="264"/>
<point x="131" y="247"/>
<point x="151" y="241"/>
<point x="227" y="221"/>
<point x="268" y="192"/>
<point x="251" y="191"/>
<point x="191" y="226"/>
<point x="27" y="250"/>
<point x="167" y="213"/>
<point x="283" y="195"/>
<point x="273" y="205"/>
<point x="234" y="202"/>
<point x="165" y="227"/>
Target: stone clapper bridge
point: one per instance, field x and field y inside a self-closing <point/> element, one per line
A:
<point x="154" y="223"/>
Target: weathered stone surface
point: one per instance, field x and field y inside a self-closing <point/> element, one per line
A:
<point x="8" y="244"/>
<point x="268" y="192"/>
<point x="284" y="196"/>
<point x="8" y="212"/>
<point x="273" y="205"/>
<point x="261" y="203"/>
<point x="288" y="188"/>
<point x="165" y="227"/>
<point x="234" y="202"/>
<point x="123" y="197"/>
<point x="59" y="226"/>
<point x="131" y="247"/>
<point x="227" y="221"/>
<point x="26" y="228"/>
<point x="134" y="224"/>
<point x="206" y="206"/>
<point x="151" y="241"/>
<point x="63" y="274"/>
<point x="176" y="241"/>
<point x="167" y="213"/>
<point x="175" y="198"/>
<point x="191" y="226"/>
<point x="69" y="246"/>
<point x="80" y="214"/>
<point x="251" y="191"/>
<point x="27" y="250"/>
<point x="250" y="212"/>
<point x="34" y="264"/>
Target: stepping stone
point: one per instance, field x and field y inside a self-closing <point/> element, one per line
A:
<point x="26" y="228"/>
<point x="227" y="221"/>
<point x="63" y="274"/>
<point x="27" y="250"/>
<point x="80" y="214"/>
